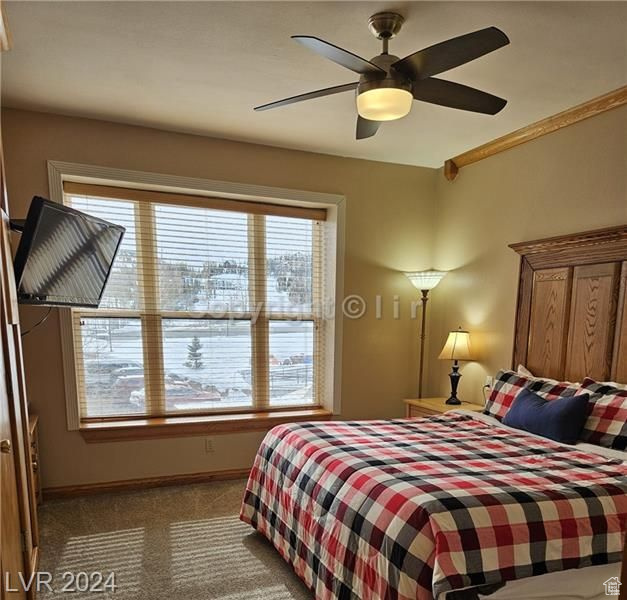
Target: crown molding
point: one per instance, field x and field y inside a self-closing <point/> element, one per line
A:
<point x="591" y="108"/>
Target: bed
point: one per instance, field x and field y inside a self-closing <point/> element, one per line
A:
<point x="460" y="506"/>
<point x="411" y="509"/>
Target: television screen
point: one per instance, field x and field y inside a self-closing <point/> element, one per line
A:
<point x="65" y="256"/>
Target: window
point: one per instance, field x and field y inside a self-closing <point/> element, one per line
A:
<point x="212" y="306"/>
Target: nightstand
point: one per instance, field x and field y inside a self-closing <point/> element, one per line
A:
<point x="427" y="407"/>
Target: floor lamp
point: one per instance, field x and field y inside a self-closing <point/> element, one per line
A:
<point x="424" y="281"/>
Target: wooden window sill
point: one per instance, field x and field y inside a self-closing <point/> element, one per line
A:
<point x="155" y="428"/>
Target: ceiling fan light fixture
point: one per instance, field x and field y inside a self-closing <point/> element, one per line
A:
<point x="384" y="103"/>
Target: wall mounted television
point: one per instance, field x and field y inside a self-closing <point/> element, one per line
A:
<point x="65" y="256"/>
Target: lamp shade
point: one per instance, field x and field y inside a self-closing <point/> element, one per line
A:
<point x="425" y="280"/>
<point x="457" y="346"/>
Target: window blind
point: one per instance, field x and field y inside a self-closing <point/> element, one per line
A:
<point x="213" y="305"/>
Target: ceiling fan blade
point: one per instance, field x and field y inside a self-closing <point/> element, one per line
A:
<point x="451" y="53"/>
<point x="338" y="55"/>
<point x="366" y="128"/>
<point x="336" y="89"/>
<point x="456" y="95"/>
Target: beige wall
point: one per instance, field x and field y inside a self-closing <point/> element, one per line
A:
<point x="388" y="228"/>
<point x="569" y="181"/>
<point x="397" y="218"/>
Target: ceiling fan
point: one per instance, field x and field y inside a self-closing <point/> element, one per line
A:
<point x="387" y="85"/>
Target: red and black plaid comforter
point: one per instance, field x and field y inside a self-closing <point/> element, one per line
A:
<point x="408" y="509"/>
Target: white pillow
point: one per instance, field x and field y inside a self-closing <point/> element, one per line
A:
<point x="525" y="372"/>
<point x="522" y="370"/>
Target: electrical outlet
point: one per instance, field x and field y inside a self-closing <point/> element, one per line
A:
<point x="488" y="381"/>
<point x="209" y="445"/>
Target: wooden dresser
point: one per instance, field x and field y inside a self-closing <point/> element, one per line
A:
<point x="427" y="407"/>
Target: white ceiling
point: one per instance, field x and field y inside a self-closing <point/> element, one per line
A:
<point x="200" y="67"/>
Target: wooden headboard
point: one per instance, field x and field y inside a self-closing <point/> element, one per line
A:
<point x="571" y="320"/>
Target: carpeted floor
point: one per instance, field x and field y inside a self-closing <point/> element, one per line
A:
<point x="168" y="543"/>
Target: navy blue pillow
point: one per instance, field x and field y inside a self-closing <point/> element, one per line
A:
<point x="561" y="419"/>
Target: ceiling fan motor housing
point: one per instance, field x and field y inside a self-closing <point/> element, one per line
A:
<point x="391" y="79"/>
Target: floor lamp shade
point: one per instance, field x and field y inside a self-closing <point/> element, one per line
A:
<point x="424" y="281"/>
<point x="457" y="347"/>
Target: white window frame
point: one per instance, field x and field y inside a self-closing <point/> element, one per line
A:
<point x="335" y="205"/>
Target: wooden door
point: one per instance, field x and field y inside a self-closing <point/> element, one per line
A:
<point x="11" y="556"/>
<point x="18" y="523"/>
<point x="19" y="534"/>
<point x="14" y="390"/>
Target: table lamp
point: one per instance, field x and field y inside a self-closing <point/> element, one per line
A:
<point x="424" y="281"/>
<point x="457" y="348"/>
